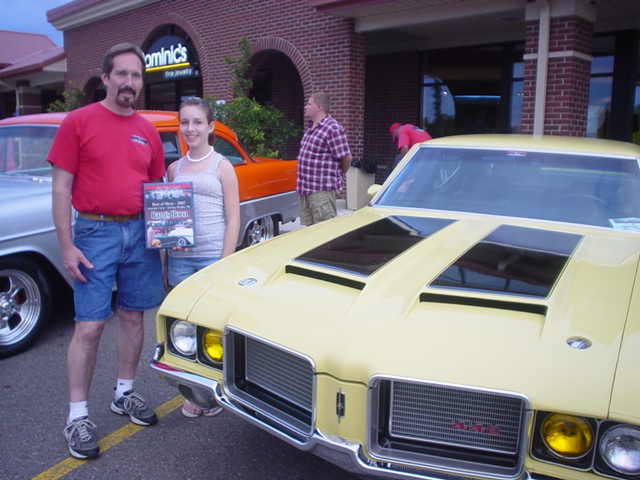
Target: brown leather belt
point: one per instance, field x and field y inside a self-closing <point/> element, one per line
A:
<point x="109" y="218"/>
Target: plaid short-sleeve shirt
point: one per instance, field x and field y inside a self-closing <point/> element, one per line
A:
<point x="321" y="149"/>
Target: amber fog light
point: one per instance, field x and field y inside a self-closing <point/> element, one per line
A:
<point x="567" y="436"/>
<point x="183" y="337"/>
<point x="213" y="345"/>
<point x="620" y="448"/>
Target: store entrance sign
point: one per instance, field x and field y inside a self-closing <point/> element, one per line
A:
<point x="168" y="52"/>
<point x="178" y="73"/>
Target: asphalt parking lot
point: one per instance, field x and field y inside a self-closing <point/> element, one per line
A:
<point x="33" y="407"/>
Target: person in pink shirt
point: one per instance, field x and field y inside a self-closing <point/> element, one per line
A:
<point x="407" y="135"/>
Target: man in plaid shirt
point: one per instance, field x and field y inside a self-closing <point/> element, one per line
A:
<point x="323" y="159"/>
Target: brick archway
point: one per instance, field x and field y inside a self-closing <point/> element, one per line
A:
<point x="93" y="89"/>
<point x="173" y="19"/>
<point x="167" y="24"/>
<point x="259" y="46"/>
<point x="281" y="77"/>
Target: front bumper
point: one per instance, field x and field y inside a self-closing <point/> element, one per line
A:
<point x="347" y="455"/>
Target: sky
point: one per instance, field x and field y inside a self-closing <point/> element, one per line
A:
<point x="30" y="16"/>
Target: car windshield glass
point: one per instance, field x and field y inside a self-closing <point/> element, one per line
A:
<point x="25" y="147"/>
<point x="573" y="188"/>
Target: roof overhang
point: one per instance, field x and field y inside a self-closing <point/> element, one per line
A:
<point x="82" y="12"/>
<point x="44" y="69"/>
<point x="395" y="25"/>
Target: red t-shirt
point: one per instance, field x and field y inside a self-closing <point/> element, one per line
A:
<point x="110" y="156"/>
<point x="409" y="135"/>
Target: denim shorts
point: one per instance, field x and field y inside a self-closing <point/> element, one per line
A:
<point x="118" y="254"/>
<point x="182" y="267"/>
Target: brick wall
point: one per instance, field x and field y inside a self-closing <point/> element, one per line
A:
<point x="325" y="51"/>
<point x="30" y="100"/>
<point x="393" y="89"/>
<point x="568" y="77"/>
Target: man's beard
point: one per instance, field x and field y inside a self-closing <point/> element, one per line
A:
<point x="126" y="102"/>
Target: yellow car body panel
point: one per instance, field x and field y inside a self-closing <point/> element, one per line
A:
<point x="541" y="311"/>
<point x="354" y="335"/>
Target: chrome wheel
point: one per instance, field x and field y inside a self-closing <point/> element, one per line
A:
<point x="260" y="230"/>
<point x="25" y="304"/>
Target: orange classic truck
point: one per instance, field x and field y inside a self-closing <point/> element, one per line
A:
<point x="30" y="259"/>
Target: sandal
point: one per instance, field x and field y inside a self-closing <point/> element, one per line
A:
<point x="191" y="411"/>
<point x="212" y="412"/>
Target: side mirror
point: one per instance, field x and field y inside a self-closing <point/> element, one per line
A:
<point x="373" y="190"/>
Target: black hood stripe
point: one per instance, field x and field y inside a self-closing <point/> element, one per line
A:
<point x="369" y="248"/>
<point x="512" y="260"/>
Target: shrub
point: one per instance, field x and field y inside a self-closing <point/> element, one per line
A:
<point x="73" y="98"/>
<point x="261" y="129"/>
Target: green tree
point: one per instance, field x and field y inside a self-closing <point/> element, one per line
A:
<point x="73" y="98"/>
<point x="261" y="129"/>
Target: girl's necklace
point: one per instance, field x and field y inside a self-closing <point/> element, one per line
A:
<point x="197" y="160"/>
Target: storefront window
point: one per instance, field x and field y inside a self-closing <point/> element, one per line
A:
<point x="472" y="90"/>
<point x="599" y="118"/>
<point x="438" y="109"/>
<point x="636" y="116"/>
<point x="517" y="93"/>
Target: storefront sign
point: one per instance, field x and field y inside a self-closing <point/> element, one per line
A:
<point x="168" y="52"/>
<point x="178" y="73"/>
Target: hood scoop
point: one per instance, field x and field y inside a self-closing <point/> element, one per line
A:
<point x="512" y="260"/>
<point x="484" y="303"/>
<point x="365" y="250"/>
<point x="325" y="277"/>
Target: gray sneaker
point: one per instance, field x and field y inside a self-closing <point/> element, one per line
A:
<point x="80" y="438"/>
<point x="134" y="405"/>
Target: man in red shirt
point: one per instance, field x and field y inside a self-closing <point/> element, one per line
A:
<point x="102" y="154"/>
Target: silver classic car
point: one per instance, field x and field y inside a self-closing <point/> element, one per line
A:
<point x="30" y="258"/>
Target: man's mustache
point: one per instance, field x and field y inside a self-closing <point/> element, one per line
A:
<point x="127" y="90"/>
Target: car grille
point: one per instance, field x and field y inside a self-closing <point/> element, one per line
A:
<point x="440" y="426"/>
<point x="280" y="372"/>
<point x="269" y="379"/>
<point x="435" y="430"/>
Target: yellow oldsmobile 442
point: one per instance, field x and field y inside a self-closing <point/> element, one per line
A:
<point x="480" y="319"/>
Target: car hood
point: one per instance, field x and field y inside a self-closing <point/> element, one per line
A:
<point x="542" y="309"/>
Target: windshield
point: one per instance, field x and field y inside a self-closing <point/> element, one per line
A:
<point x="25" y="147"/>
<point x="571" y="188"/>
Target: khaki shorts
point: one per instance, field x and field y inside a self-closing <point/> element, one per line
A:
<point x="317" y="207"/>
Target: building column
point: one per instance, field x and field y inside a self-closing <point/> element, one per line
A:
<point x="28" y="99"/>
<point x="557" y="67"/>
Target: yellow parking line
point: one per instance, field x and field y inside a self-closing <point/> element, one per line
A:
<point x="66" y="466"/>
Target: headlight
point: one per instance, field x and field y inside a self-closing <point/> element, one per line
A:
<point x="213" y="345"/>
<point x="183" y="337"/>
<point x="567" y="436"/>
<point x="620" y="448"/>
